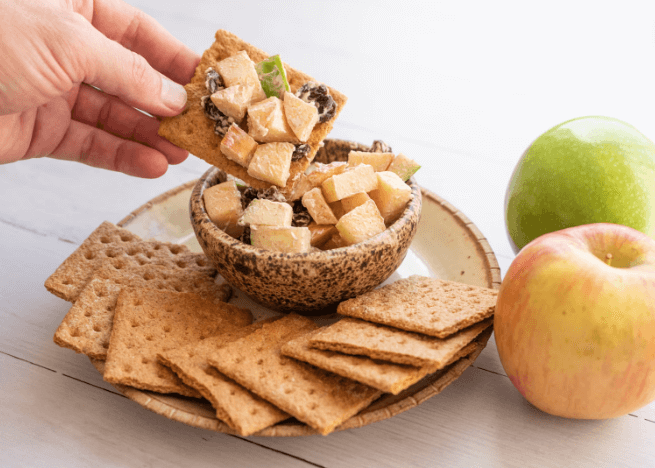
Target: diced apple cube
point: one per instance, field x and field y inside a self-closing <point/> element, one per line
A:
<point x="267" y="123"/>
<point x="321" y="233"/>
<point x="316" y="176"/>
<point x="403" y="166"/>
<point x="281" y="239"/>
<point x="391" y="196"/>
<point x="233" y="101"/>
<point x="361" y="223"/>
<point x="334" y="242"/>
<point x="223" y="205"/>
<point x="271" y="163"/>
<point x="337" y="209"/>
<point x="268" y="213"/>
<point x="317" y="207"/>
<point x="353" y="201"/>
<point x="379" y="161"/>
<point x="238" y="69"/>
<point x="301" y="116"/>
<point x="238" y="146"/>
<point x="356" y="179"/>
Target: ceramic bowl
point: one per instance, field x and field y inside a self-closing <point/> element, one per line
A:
<point x="305" y="283"/>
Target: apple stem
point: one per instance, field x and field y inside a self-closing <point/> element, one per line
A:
<point x="608" y="259"/>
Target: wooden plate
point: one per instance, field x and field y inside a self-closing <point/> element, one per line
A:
<point x="447" y="246"/>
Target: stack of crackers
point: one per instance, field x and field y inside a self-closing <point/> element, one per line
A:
<point x="154" y="313"/>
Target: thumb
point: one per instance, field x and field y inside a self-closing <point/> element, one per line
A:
<point x="118" y="71"/>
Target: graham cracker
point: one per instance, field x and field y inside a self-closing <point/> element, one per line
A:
<point x="321" y="399"/>
<point x="194" y="132"/>
<point x="86" y="328"/>
<point x="111" y="241"/>
<point x="386" y="376"/>
<point x="148" y="322"/>
<point x="239" y="408"/>
<point x="425" y="305"/>
<point x="354" y="336"/>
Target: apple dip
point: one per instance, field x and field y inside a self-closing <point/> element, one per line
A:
<point x="333" y="205"/>
<point x="264" y="128"/>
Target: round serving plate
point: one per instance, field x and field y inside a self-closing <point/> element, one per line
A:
<point x="447" y="245"/>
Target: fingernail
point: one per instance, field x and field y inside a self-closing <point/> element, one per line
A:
<point x="173" y="95"/>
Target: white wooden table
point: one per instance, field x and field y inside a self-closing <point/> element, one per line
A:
<point x="462" y="89"/>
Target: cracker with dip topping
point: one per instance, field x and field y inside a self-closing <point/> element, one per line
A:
<point x="86" y="328"/>
<point x="424" y="305"/>
<point x="148" y="322"/>
<point x="193" y="131"/>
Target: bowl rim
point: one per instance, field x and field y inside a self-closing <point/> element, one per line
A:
<point x="389" y="235"/>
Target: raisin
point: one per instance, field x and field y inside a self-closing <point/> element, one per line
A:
<point x="213" y="81"/>
<point x="301" y="216"/>
<point x="245" y="235"/>
<point x="380" y="146"/>
<point x="318" y="95"/>
<point x="272" y="193"/>
<point x="300" y="152"/>
<point x="210" y="109"/>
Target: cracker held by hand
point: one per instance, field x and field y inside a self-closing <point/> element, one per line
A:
<point x="148" y="322"/>
<point x="424" y="305"/>
<point x="86" y="328"/>
<point x="354" y="336"/>
<point x="194" y="131"/>
<point x="111" y="241"/>
<point x="321" y="399"/>
<point x="239" y="408"/>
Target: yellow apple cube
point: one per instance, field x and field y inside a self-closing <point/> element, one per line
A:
<point x="281" y="239"/>
<point x="334" y="242"/>
<point x="403" y="166"/>
<point x="238" y="146"/>
<point x="318" y="208"/>
<point x="238" y="69"/>
<point x="337" y="209"/>
<point x="379" y="161"/>
<point x="223" y="205"/>
<point x="267" y="123"/>
<point x="319" y="173"/>
<point x="321" y="233"/>
<point x="361" y="223"/>
<point x="391" y="196"/>
<point x="301" y="116"/>
<point x="271" y="163"/>
<point x="356" y="179"/>
<point x="233" y="101"/>
<point x="268" y="213"/>
<point x="353" y="201"/>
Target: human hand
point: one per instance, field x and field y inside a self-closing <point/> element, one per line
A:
<point x="55" y="53"/>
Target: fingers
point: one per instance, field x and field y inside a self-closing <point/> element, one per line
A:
<point x="120" y="72"/>
<point x="92" y="146"/>
<point x="112" y="115"/>
<point x="140" y="33"/>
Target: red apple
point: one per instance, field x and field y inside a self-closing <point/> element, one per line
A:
<point x="575" y="321"/>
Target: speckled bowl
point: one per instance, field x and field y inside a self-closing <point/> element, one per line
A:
<point x="305" y="283"/>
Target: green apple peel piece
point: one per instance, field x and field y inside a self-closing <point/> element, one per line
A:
<point x="272" y="76"/>
<point x="403" y="166"/>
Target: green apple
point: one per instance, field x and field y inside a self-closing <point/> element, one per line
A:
<point x="575" y="321"/>
<point x="587" y="170"/>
